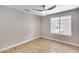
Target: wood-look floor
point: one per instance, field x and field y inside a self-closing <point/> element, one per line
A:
<point x="42" y="45"/>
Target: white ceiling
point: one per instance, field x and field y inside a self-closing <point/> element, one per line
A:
<point x="59" y="8"/>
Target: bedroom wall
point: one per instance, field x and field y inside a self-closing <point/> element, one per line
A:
<point x="45" y="27"/>
<point x="17" y="26"/>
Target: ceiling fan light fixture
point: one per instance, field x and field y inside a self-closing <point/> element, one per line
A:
<point x="43" y="12"/>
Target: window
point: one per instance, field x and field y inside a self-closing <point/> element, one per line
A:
<point x="55" y="25"/>
<point x="61" y="25"/>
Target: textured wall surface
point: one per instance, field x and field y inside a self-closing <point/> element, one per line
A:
<point x="17" y="26"/>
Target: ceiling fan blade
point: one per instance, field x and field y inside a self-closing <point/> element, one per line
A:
<point x="51" y="7"/>
<point x="27" y="10"/>
<point x="37" y="9"/>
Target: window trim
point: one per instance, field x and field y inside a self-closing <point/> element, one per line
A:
<point x="70" y="34"/>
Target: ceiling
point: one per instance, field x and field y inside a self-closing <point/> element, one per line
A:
<point x="59" y="8"/>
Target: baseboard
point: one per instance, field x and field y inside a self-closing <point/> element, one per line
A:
<point x="3" y="49"/>
<point x="60" y="41"/>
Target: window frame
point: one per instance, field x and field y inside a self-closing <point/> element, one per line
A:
<point x="61" y="18"/>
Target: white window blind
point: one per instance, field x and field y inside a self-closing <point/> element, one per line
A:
<point x="61" y="25"/>
<point x="55" y="25"/>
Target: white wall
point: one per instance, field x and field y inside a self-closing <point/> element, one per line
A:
<point x="45" y="27"/>
<point x="17" y="26"/>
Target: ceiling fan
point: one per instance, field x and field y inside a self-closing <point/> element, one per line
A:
<point x="43" y="8"/>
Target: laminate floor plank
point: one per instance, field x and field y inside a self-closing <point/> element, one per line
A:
<point x="42" y="45"/>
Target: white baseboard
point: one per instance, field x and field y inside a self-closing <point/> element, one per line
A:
<point x="3" y="49"/>
<point x="60" y="41"/>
